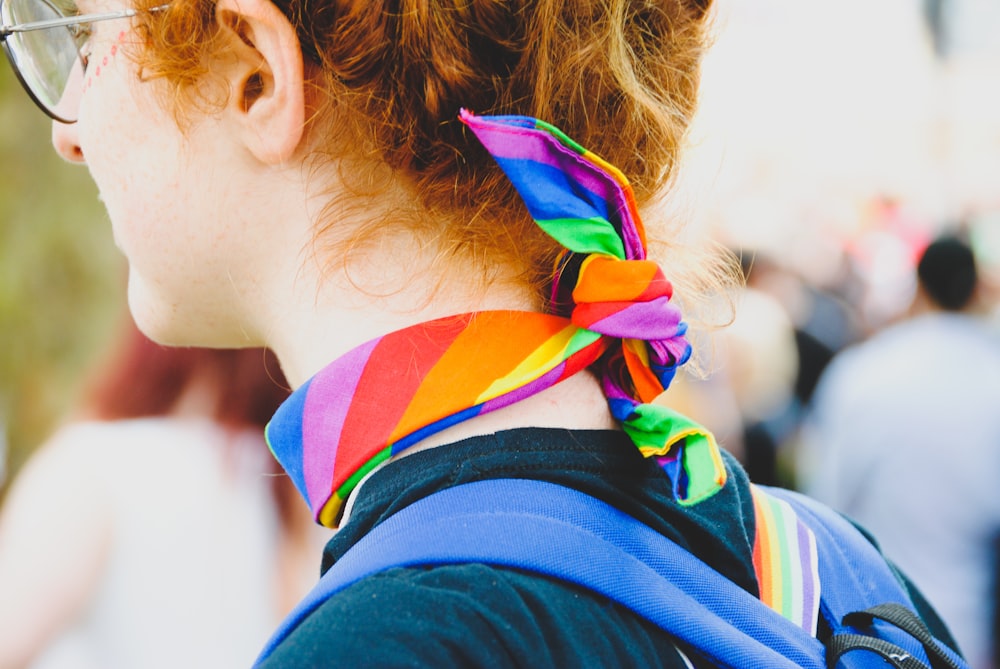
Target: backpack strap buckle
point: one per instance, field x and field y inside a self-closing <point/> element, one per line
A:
<point x="900" y="617"/>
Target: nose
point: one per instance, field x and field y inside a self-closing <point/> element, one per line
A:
<point x="65" y="136"/>
<point x="65" y="139"/>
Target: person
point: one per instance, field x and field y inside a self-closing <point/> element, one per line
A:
<point x="130" y="537"/>
<point x="903" y="435"/>
<point x="347" y="183"/>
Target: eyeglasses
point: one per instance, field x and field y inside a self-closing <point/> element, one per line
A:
<point x="45" y="48"/>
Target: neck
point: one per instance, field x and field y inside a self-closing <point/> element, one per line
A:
<point x="331" y="311"/>
<point x="355" y="307"/>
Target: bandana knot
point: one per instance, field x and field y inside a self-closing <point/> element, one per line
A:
<point x="587" y="205"/>
<point x="627" y="299"/>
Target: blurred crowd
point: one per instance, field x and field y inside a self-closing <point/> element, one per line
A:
<point x="882" y="406"/>
<point x="830" y="180"/>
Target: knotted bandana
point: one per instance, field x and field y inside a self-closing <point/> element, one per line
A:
<point x="394" y="391"/>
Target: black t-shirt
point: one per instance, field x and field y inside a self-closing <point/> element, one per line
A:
<point x="481" y="616"/>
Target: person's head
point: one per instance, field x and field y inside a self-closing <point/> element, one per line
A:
<point x="358" y="100"/>
<point x="947" y="273"/>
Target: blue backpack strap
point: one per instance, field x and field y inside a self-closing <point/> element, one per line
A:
<point x="559" y="532"/>
<point x="856" y="579"/>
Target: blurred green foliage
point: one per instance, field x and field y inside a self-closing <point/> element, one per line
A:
<point x="61" y="278"/>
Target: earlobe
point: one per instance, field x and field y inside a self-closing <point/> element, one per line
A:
<point x="266" y="81"/>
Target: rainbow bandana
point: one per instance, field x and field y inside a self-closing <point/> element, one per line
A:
<point x="390" y="393"/>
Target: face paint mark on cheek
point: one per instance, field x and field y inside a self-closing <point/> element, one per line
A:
<point x="112" y="52"/>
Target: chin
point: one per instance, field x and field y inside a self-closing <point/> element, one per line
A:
<point x="160" y="328"/>
<point x="176" y="323"/>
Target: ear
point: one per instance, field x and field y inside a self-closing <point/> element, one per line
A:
<point x="266" y="80"/>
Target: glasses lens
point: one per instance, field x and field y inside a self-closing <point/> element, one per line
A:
<point x="45" y="59"/>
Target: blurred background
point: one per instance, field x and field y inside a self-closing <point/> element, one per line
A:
<point x="834" y="141"/>
<point x="847" y="127"/>
<point x="61" y="278"/>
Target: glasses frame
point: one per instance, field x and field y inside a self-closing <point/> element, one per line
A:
<point x="62" y="22"/>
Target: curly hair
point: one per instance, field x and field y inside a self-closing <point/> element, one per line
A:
<point x="619" y="76"/>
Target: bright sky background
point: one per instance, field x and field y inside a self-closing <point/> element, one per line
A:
<point x="811" y="109"/>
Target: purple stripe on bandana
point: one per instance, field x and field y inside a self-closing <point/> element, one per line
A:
<point x="330" y="395"/>
<point x="656" y="318"/>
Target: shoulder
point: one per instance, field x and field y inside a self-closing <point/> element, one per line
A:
<point x="92" y="441"/>
<point x="71" y="461"/>
<point x="472" y="616"/>
<point x="56" y="530"/>
<point x="121" y="447"/>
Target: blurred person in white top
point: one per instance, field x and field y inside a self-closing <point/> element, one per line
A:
<point x="144" y="532"/>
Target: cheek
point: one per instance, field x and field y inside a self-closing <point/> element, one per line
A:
<point x="170" y="226"/>
<point x="101" y="59"/>
<point x="130" y="147"/>
<point x="106" y="124"/>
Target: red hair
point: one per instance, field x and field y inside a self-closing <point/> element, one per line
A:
<point x="145" y="379"/>
<point x="618" y="76"/>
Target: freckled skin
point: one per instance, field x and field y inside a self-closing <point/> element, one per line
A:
<point x="174" y="217"/>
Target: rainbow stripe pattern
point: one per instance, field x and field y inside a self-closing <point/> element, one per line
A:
<point x="390" y="393"/>
<point x="587" y="205"/>
<point x="374" y="402"/>
<point x="786" y="562"/>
